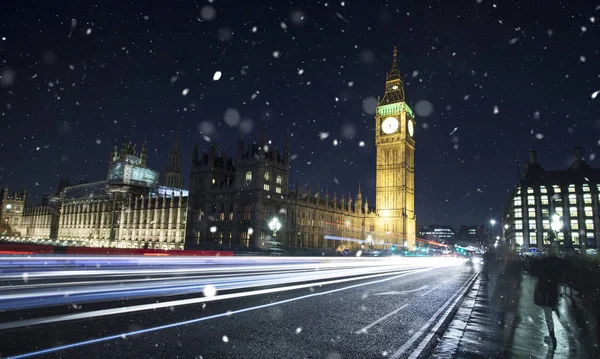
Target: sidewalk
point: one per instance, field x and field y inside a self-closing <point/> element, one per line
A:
<point x="498" y="319"/>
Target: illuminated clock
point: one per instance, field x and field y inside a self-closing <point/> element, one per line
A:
<point x="389" y="125"/>
<point x="411" y="128"/>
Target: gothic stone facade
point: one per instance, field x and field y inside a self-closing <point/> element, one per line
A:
<point x="231" y="205"/>
<point x="233" y="200"/>
<point x="118" y="212"/>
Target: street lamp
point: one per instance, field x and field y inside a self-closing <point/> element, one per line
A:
<point x="492" y="224"/>
<point x="274" y="225"/>
<point x="556" y="225"/>
<point x="213" y="229"/>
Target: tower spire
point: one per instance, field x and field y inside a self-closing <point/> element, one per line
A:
<point x="394" y="87"/>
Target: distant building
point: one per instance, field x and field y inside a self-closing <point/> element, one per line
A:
<point x="127" y="210"/>
<point x="470" y="235"/>
<point x="437" y="232"/>
<point x="571" y="194"/>
<point x="11" y="210"/>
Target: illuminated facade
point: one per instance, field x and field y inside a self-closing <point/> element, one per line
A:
<point x="233" y="199"/>
<point x="436" y="232"/>
<point x="231" y="205"/>
<point x="127" y="210"/>
<point x="572" y="196"/>
<point x="11" y="211"/>
<point x="394" y="138"/>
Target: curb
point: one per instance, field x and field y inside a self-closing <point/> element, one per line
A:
<point x="449" y="340"/>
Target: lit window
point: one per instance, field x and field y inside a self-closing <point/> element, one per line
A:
<point x="571" y="188"/>
<point x="519" y="238"/>
<point x="529" y="190"/>
<point x="544" y="236"/>
<point x="556" y="188"/>
<point x="214" y="181"/>
<point x="543" y="189"/>
<point x="222" y="216"/>
<point x="588" y="211"/>
<point x="267" y="176"/>
<point x="532" y="238"/>
<point x="279" y="180"/>
<point x="559" y="211"/>
<point x="532" y="224"/>
<point x="590" y="237"/>
<point x="561" y="236"/>
<point x="519" y="224"/>
<point x="573" y="211"/>
<point x="530" y="200"/>
<point x="546" y="224"/>
<point x="572" y="199"/>
<point x="518" y="213"/>
<point x="231" y="216"/>
<point x="531" y="212"/>
<point x="545" y="212"/>
<point x="278" y="190"/>
<point x="589" y="224"/>
<point x="517" y="201"/>
<point x="249" y="176"/>
<point x="574" y="224"/>
<point x="575" y="237"/>
<point x="544" y="200"/>
<point x="266" y="187"/>
<point x="519" y="189"/>
<point x="586" y="188"/>
<point x="587" y="198"/>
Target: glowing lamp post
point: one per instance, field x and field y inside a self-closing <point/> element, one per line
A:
<point x="274" y="225"/>
<point x="556" y="224"/>
<point x="213" y="229"/>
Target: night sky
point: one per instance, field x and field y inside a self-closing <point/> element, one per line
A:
<point x="487" y="80"/>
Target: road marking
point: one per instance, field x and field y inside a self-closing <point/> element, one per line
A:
<point x="422" y="330"/>
<point x="175" y="303"/>
<point x="202" y="319"/>
<point x="364" y="330"/>
<point x="429" y="291"/>
<point x="393" y="292"/>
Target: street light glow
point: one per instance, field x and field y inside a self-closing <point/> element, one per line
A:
<point x="213" y="229"/>
<point x="274" y="225"/>
<point x="492" y="222"/>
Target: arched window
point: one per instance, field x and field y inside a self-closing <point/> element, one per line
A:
<point x="249" y="176"/>
<point x="279" y="179"/>
<point x="267" y="176"/>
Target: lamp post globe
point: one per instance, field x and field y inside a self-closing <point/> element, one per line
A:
<point x="274" y="225"/>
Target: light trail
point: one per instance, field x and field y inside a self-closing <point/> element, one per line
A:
<point x="198" y="320"/>
<point x="101" y="292"/>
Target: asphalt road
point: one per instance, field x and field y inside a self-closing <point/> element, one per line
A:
<point x="284" y="308"/>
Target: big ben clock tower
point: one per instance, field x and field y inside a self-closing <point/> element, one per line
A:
<point x="394" y="139"/>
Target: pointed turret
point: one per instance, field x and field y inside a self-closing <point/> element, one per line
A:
<point x="195" y="155"/>
<point x="358" y="205"/>
<point x="144" y="155"/>
<point x="173" y="176"/>
<point x="394" y="87"/>
<point x="240" y="149"/>
<point x="124" y="150"/>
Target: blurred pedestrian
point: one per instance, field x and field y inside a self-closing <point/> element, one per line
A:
<point x="546" y="292"/>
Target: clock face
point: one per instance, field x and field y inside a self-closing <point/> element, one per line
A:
<point x="411" y="128"/>
<point x="389" y="125"/>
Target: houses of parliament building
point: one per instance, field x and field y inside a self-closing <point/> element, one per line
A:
<point x="237" y="202"/>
